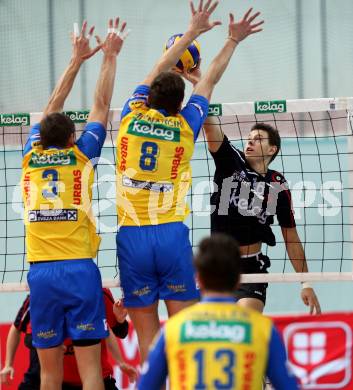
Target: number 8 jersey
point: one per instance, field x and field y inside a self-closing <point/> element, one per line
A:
<point x="153" y="161"/>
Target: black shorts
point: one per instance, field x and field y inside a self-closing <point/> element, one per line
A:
<point x="257" y="264"/>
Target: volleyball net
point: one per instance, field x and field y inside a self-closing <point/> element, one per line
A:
<point x="316" y="158"/>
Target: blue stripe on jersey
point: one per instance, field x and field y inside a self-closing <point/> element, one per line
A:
<point x="140" y="94"/>
<point x="92" y="140"/>
<point x="277" y="371"/>
<point x="194" y="53"/>
<point x="155" y="369"/>
<point x="195" y="112"/>
<point x="33" y="136"/>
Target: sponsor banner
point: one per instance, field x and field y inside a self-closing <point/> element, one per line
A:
<point x="20" y="119"/>
<point x="215" y="110"/>
<point x="270" y="106"/>
<point x="319" y="348"/>
<point x="77" y="116"/>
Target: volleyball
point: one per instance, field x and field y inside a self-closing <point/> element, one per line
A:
<point x="191" y="56"/>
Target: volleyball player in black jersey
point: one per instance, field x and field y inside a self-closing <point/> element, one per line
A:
<point x="247" y="196"/>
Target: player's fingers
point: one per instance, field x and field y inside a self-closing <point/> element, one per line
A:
<point x="248" y="12"/>
<point x="216" y="23"/>
<point x="90" y="33"/>
<point x="254" y="17"/>
<point x="213" y="7"/>
<point x="192" y="7"/>
<point x="200" y="6"/>
<point x="99" y="41"/>
<point x="110" y="24"/>
<point x="123" y="27"/>
<point x="83" y="29"/>
<point x="256" y="31"/>
<point x="125" y="34"/>
<point x="116" y="23"/>
<point x="207" y="5"/>
<point x="257" y="24"/>
<point x="231" y="18"/>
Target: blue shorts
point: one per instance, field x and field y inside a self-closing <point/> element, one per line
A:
<point x="155" y="262"/>
<point x="66" y="300"/>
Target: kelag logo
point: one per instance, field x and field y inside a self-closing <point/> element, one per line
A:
<point x="314" y="356"/>
<point x="270" y="107"/>
<point x="160" y="131"/>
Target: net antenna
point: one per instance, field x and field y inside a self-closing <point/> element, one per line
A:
<point x="316" y="158"/>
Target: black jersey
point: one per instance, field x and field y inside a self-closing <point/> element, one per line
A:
<point x="244" y="201"/>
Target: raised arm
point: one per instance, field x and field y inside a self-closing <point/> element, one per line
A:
<point x="199" y="24"/>
<point x="104" y="89"/>
<point x="296" y="255"/>
<point x="80" y="52"/>
<point x="236" y="33"/>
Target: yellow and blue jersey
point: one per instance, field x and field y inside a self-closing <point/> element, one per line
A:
<point x="57" y="194"/>
<point x="154" y="150"/>
<point x="217" y="344"/>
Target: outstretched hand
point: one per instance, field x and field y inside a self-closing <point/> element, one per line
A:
<point x="115" y="39"/>
<point x="310" y="299"/>
<point x="244" y="28"/>
<point x="193" y="75"/>
<point x="80" y="43"/>
<point x="200" y="17"/>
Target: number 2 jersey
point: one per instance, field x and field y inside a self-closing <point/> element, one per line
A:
<point x="56" y="190"/>
<point x="153" y="161"/>
<point x="217" y="344"/>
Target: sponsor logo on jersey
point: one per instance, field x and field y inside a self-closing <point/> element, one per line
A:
<point x="86" y="327"/>
<point x="142" y="291"/>
<point x="270" y="106"/>
<point x="48" y="334"/>
<point x="14" y="119"/>
<point x="59" y="215"/>
<point x="215" y="110"/>
<point x="238" y="332"/>
<point x="77" y="116"/>
<point x="154" y="130"/>
<point x="39" y="160"/>
<point x="147" y="185"/>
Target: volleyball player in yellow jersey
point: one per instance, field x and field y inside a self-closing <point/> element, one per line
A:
<point x="217" y="344"/>
<point x="61" y="240"/>
<point x="155" y="145"/>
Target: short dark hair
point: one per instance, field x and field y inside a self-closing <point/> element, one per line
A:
<point x="274" y="138"/>
<point x="55" y="130"/>
<point x="167" y="92"/>
<point x="218" y="263"/>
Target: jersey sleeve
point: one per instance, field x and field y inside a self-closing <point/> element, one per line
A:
<point x="277" y="370"/>
<point x="228" y="159"/>
<point x="139" y="96"/>
<point x="33" y="138"/>
<point x="155" y="369"/>
<point x="285" y="213"/>
<point x="195" y="113"/>
<point x="92" y="140"/>
<point x="22" y="318"/>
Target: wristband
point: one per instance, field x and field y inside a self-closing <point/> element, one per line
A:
<point x="306" y="285"/>
<point x="233" y="39"/>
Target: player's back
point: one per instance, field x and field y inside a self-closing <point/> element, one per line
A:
<point x="56" y="186"/>
<point x="153" y="171"/>
<point x="215" y="345"/>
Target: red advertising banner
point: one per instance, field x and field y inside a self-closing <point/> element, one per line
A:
<point x="319" y="351"/>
